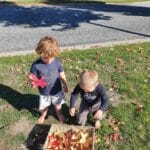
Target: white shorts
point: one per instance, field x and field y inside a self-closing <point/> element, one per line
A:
<point x="45" y="101"/>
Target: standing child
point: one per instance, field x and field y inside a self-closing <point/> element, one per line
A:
<point x="50" y="69"/>
<point x="93" y="95"/>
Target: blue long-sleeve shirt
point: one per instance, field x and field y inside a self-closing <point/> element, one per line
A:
<point x="90" y="98"/>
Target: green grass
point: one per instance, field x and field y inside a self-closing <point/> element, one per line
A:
<point x="68" y="1"/>
<point x="125" y="69"/>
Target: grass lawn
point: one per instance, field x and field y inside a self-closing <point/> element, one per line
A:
<point x="124" y="70"/>
<point x="68" y="1"/>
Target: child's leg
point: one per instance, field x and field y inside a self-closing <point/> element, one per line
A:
<point x="44" y="103"/>
<point x="57" y="101"/>
<point x="43" y="115"/>
<point x="83" y="113"/>
<point x="60" y="116"/>
<point x="97" y="114"/>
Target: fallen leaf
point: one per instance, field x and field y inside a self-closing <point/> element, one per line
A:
<point x="114" y="86"/>
<point x="146" y="80"/>
<point x="107" y="140"/>
<point x="140" y="50"/>
<point x="115" y="136"/>
<point x="139" y="106"/>
<point x="9" y="106"/>
<point x="120" y="123"/>
<point x="128" y="49"/>
<point x="98" y="140"/>
<point x="116" y="129"/>
<point x="111" y="99"/>
<point x="120" y="60"/>
<point x="139" y="109"/>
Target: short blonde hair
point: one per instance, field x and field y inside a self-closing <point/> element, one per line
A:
<point x="48" y="46"/>
<point x="88" y="78"/>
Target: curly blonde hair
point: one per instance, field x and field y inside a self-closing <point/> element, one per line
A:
<point x="48" y="46"/>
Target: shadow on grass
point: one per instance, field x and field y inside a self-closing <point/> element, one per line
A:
<point x="30" y="102"/>
<point x="18" y="100"/>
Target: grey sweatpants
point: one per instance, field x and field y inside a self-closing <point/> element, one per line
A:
<point x="84" y="111"/>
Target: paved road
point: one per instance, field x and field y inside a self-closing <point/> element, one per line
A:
<point x="21" y="27"/>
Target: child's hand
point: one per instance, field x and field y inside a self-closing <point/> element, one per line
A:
<point x="72" y="111"/>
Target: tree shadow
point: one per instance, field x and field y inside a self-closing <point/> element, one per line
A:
<point x="67" y="16"/>
<point x="60" y="17"/>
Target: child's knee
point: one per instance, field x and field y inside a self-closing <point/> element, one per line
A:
<point x="57" y="107"/>
<point x="81" y="121"/>
<point x="98" y="115"/>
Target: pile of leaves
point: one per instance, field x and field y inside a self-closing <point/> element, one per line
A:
<point x="70" y="140"/>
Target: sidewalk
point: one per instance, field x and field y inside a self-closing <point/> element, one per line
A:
<point x="79" y="47"/>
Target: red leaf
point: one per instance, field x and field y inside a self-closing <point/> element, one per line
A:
<point x="128" y="49"/>
<point x="37" y="82"/>
<point x="115" y="137"/>
<point x="55" y="144"/>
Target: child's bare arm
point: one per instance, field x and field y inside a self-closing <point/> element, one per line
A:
<point x="64" y="81"/>
<point x="73" y="99"/>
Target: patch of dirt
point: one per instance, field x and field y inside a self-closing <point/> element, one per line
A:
<point x="3" y="145"/>
<point x="21" y="126"/>
<point x="6" y="106"/>
<point x="114" y="97"/>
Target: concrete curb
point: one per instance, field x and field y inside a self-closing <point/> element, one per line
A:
<point x="79" y="47"/>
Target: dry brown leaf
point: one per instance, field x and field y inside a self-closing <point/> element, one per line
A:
<point x="115" y="137"/>
<point x="128" y="49"/>
<point x="119" y="60"/>
<point x="140" y="50"/>
<point x="114" y="86"/>
<point x="107" y="140"/>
